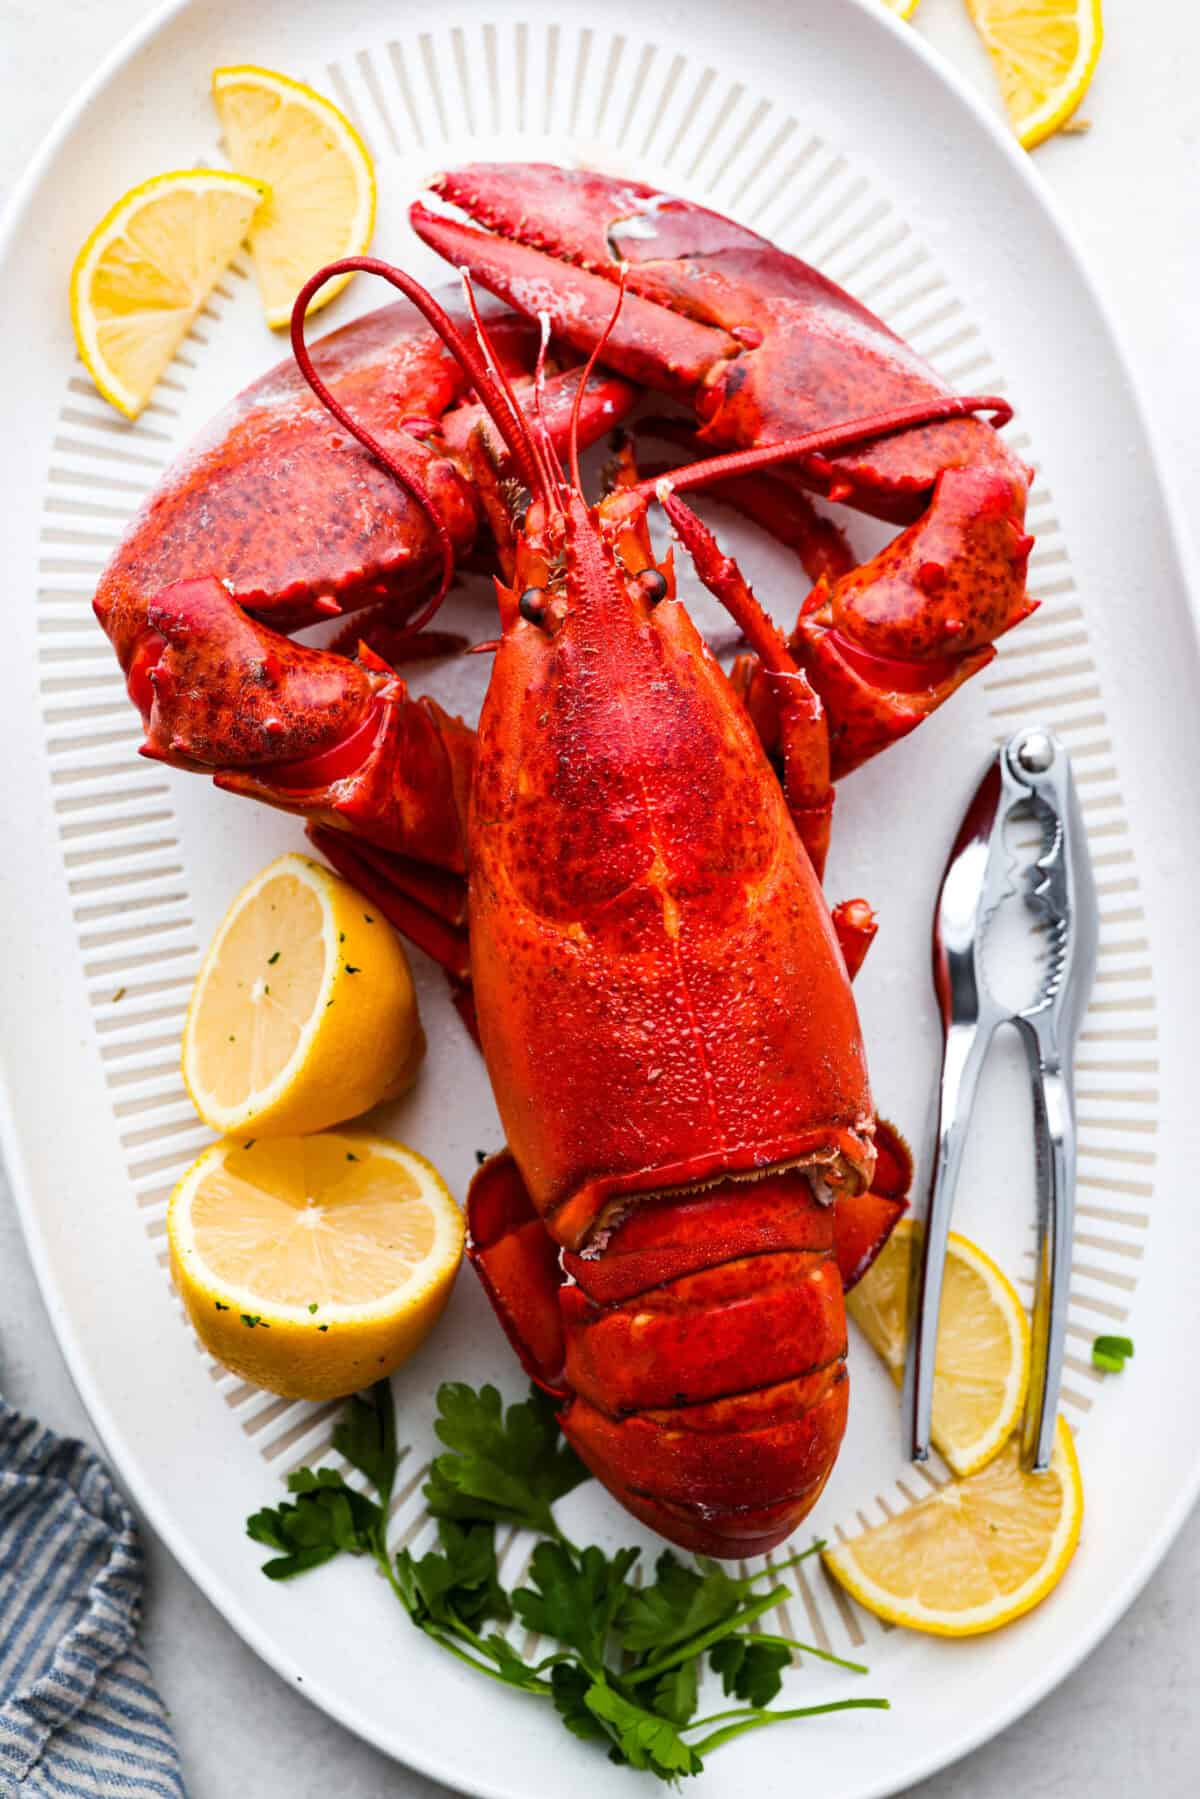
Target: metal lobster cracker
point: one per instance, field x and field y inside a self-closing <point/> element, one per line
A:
<point x="1032" y="770"/>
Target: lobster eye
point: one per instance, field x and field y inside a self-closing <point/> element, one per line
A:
<point x="532" y="605"/>
<point x="652" y="585"/>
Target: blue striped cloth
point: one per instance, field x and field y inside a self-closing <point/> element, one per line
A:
<point x="79" y="1716"/>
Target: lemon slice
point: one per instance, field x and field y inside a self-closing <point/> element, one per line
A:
<point x="982" y="1366"/>
<point x="322" y="199"/>
<point x="313" y="1265"/>
<point x="304" y="1012"/>
<point x="975" y="1554"/>
<point x="146" y="270"/>
<point x="1044" y="53"/>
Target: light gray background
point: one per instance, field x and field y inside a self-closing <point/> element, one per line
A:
<point x="1129" y="1719"/>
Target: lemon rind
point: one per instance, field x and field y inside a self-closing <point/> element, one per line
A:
<point x="978" y="1620"/>
<point x="985" y="1449"/>
<point x="443" y="1258"/>
<point x="319" y="880"/>
<point x="971" y="1457"/>
<point x="1069" y="95"/>
<point x="109" y="386"/>
<point x="359" y="239"/>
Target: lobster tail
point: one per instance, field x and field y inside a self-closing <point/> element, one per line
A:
<point x="712" y="1404"/>
<point x="700" y="1350"/>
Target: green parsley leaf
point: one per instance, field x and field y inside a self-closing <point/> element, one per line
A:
<point x="457" y="1583"/>
<point x="366" y="1435"/>
<point x="642" y="1738"/>
<point x="574" y="1595"/>
<point x="680" y="1604"/>
<point x="312" y="1306"/>
<point x="569" y="1688"/>
<point x="507" y="1468"/>
<point x="326" y="1518"/>
<point x="350" y="968"/>
<point x="750" y="1669"/>
<point x="220" y="1307"/>
<point x="675" y="1692"/>
<point x="1111" y="1353"/>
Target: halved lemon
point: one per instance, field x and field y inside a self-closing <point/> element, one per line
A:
<point x="974" y="1555"/>
<point x="982" y="1366"/>
<point x="313" y="1265"/>
<point x="147" y="269"/>
<point x="319" y="171"/>
<point x="304" y="1012"/>
<point x="1044" y="53"/>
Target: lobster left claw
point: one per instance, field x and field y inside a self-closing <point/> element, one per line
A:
<point x="764" y="348"/>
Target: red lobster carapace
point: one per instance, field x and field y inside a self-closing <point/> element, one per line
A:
<point x="612" y="862"/>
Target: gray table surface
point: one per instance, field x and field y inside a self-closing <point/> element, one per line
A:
<point x="1128" y="1719"/>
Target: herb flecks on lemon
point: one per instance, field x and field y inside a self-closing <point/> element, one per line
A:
<point x="321" y="180"/>
<point x="304" y="1012"/>
<point x="974" y="1555"/>
<point x="147" y="269"/>
<point x="313" y="1265"/>
<point x="982" y="1364"/>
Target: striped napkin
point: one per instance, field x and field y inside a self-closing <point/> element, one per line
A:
<point x="79" y="1715"/>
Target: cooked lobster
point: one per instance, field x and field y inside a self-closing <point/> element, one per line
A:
<point x="621" y="868"/>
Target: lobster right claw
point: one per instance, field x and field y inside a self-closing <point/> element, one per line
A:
<point x="764" y="348"/>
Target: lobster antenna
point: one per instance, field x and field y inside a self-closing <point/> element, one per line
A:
<point x="464" y="353"/>
<point x="539" y="403"/>
<point x="548" y="482"/>
<point x="593" y="359"/>
<point x="815" y="446"/>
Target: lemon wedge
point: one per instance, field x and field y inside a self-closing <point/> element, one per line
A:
<point x="313" y="1265"/>
<point x="322" y="183"/>
<point x="982" y="1366"/>
<point x="974" y="1555"/>
<point x="147" y="269"/>
<point x="304" y="1012"/>
<point x="1044" y="53"/>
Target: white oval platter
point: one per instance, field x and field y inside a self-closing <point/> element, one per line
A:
<point x="831" y="130"/>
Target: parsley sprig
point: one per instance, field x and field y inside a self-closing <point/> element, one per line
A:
<point x="626" y="1669"/>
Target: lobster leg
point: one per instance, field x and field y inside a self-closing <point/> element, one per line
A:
<point x="803" y="737"/>
<point x="881" y="656"/>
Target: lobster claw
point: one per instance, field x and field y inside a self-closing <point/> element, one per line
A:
<point x="759" y="343"/>
<point x="765" y="348"/>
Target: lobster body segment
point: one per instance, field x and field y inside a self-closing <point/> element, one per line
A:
<point x="661" y="997"/>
